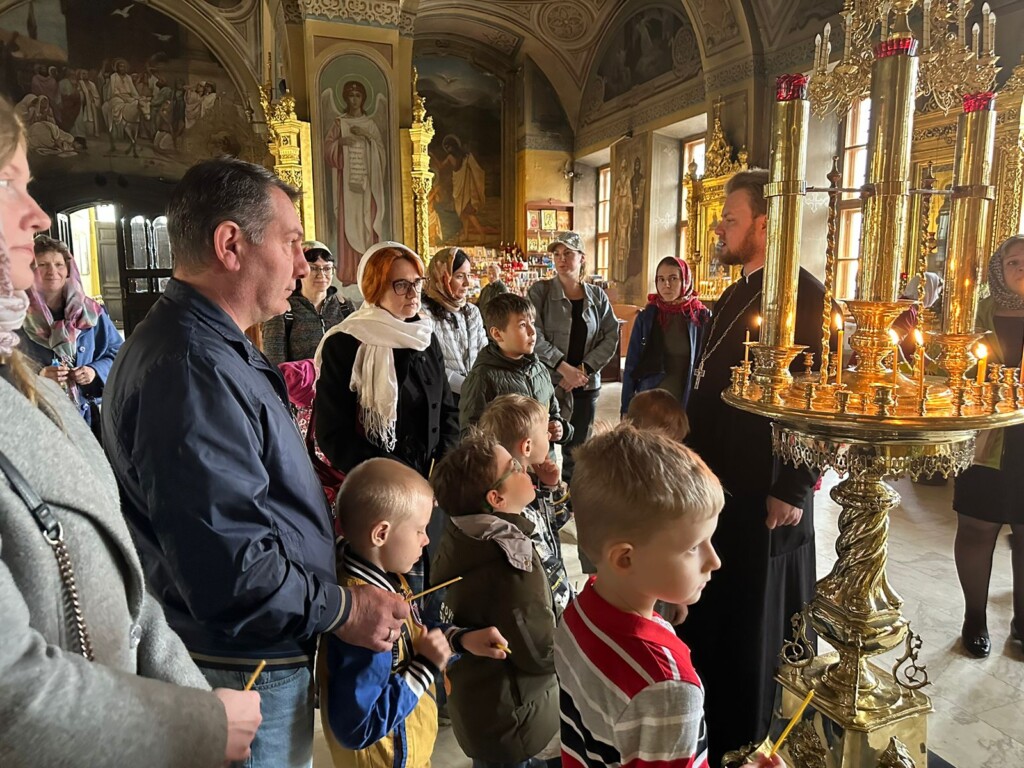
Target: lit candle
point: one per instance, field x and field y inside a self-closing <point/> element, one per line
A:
<point x="982" y="354"/>
<point x="920" y="364"/>
<point x="746" y="348"/>
<point x="840" y="333"/>
<point x="895" y="358"/>
<point x="758" y="323"/>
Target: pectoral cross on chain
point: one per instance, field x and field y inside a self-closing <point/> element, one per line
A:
<point x="698" y="375"/>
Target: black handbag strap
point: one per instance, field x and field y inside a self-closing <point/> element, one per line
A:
<point x="40" y="510"/>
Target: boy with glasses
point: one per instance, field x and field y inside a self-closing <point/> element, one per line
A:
<point x="503" y="712"/>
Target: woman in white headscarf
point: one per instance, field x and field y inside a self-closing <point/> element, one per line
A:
<point x="383" y="389"/>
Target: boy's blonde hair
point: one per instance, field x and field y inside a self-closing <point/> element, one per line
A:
<point x="378" y="490"/>
<point x="511" y="419"/>
<point x="629" y="484"/>
<point x="659" y="409"/>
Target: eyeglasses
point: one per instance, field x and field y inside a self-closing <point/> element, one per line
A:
<point x="321" y="270"/>
<point x="516" y="467"/>
<point x="405" y="287"/>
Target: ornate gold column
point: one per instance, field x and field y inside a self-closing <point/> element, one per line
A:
<point x="785" y="196"/>
<point x="291" y="146"/>
<point x="421" y="133"/>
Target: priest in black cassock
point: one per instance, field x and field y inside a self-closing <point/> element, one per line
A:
<point x="765" y="535"/>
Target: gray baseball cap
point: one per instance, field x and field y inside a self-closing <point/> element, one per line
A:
<point x="569" y="239"/>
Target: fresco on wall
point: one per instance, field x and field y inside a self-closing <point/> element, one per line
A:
<point x="355" y="126"/>
<point x="650" y="44"/>
<point x="465" y="155"/>
<point x="104" y="85"/>
<point x="630" y="174"/>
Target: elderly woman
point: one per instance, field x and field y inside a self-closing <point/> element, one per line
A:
<point x="68" y="335"/>
<point x="91" y="672"/>
<point x="457" y="323"/>
<point x="577" y="334"/>
<point x="383" y="388"/>
<point x="666" y="337"/>
<point x="316" y="307"/>
<point x="988" y="495"/>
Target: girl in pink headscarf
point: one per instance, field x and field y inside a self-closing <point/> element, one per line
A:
<point x="665" y="344"/>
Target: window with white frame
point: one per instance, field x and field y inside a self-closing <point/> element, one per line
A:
<point x="851" y="207"/>
<point x="604" y="196"/>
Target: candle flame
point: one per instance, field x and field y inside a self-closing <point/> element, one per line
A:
<point x="894" y="336"/>
<point x="839" y="322"/>
<point x="919" y="338"/>
<point x="758" y="321"/>
<point x="981" y="352"/>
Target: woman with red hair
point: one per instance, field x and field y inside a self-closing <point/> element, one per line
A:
<point x="666" y="338"/>
<point x="383" y="390"/>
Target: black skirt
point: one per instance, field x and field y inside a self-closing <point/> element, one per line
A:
<point x="995" y="495"/>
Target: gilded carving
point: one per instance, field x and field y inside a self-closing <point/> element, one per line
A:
<point x="718" y="23"/>
<point x="895" y="756"/>
<point x="805" y="747"/>
<point x="564" y="21"/>
<point x="292" y="12"/>
<point x="384" y="12"/>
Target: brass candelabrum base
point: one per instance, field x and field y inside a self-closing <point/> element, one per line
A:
<point x="856" y="609"/>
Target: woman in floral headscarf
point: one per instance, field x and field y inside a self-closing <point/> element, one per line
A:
<point x="667" y="336"/>
<point x="988" y="495"/>
<point x="71" y="338"/>
<point x="456" y="322"/>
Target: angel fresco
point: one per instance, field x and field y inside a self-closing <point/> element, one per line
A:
<point x="356" y="152"/>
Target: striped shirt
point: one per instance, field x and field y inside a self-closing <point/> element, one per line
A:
<point x="629" y="694"/>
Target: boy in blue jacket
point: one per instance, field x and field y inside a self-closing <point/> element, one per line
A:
<point x="378" y="709"/>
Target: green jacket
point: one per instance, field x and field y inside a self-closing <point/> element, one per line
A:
<point x="502" y="711"/>
<point x="495" y="374"/>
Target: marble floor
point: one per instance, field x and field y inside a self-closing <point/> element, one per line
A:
<point x="979" y="704"/>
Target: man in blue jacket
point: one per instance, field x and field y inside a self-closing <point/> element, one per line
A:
<point x="228" y="515"/>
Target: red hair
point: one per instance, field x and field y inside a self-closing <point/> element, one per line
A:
<point x="376" y="275"/>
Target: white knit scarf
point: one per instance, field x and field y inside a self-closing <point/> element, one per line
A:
<point x="373" y="374"/>
<point x="13" y="304"/>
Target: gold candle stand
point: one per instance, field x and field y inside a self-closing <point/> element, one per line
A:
<point x="874" y="426"/>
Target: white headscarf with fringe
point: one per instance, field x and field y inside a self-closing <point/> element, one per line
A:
<point x="374" y="378"/>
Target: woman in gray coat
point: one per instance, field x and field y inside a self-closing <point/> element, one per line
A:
<point x="90" y="673"/>
<point x="577" y="334"/>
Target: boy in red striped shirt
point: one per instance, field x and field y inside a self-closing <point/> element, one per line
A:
<point x="645" y="508"/>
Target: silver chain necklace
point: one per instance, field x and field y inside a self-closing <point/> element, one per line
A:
<point x="699" y="373"/>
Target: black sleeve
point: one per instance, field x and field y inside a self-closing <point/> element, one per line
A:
<point x="339" y="431"/>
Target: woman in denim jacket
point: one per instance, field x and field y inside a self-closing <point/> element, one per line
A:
<point x="577" y="334"/>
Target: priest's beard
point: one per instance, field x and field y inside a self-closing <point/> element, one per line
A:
<point x="746" y="252"/>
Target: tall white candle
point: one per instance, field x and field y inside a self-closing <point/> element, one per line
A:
<point x="975" y="35"/>
<point x="927" y="34"/>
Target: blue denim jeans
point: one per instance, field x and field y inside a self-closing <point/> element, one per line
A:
<point x="285" y="737"/>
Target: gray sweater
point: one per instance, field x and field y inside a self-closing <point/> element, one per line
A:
<point x="57" y="709"/>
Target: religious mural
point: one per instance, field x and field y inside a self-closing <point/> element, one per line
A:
<point x="116" y="85"/>
<point x="630" y="173"/>
<point x="650" y="44"/>
<point x="465" y="155"/>
<point x="355" y="126"/>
